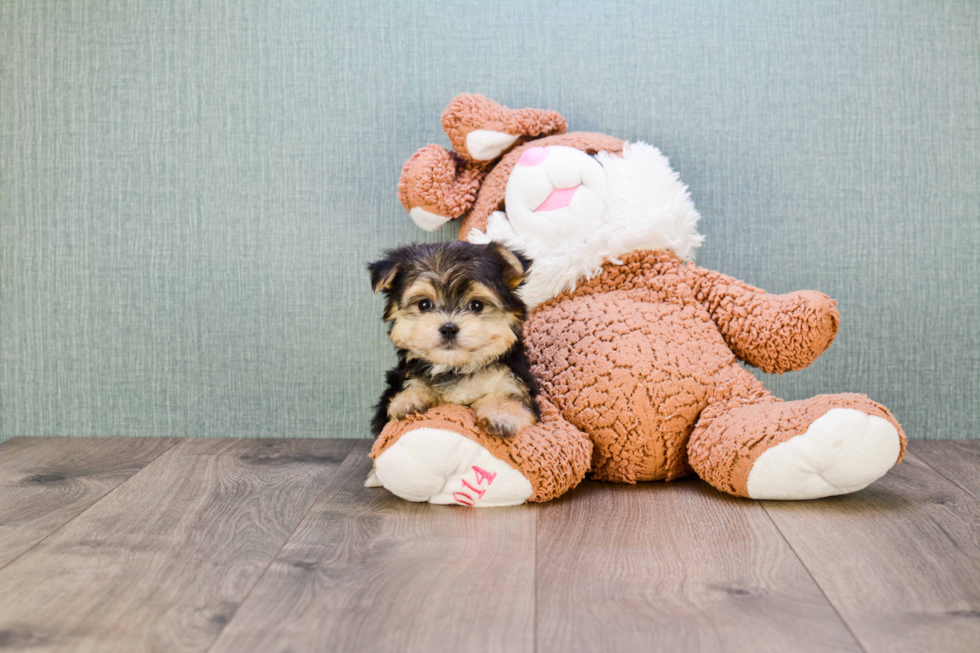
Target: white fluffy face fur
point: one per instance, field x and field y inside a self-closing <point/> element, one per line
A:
<point x="571" y="212"/>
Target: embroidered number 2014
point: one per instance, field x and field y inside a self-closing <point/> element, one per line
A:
<point x="463" y="498"/>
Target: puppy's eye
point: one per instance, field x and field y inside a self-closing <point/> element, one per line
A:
<point x="475" y="305"/>
<point x="425" y="305"/>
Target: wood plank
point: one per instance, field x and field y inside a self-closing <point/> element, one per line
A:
<point x="47" y="482"/>
<point x="162" y="563"/>
<point x="957" y="460"/>
<point x="367" y="571"/>
<point x="673" y="567"/>
<point x="899" y="560"/>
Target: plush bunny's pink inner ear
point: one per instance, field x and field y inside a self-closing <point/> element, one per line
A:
<point x="481" y="130"/>
<point x="437" y="186"/>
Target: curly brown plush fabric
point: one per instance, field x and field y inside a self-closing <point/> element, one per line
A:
<point x="468" y="112"/>
<point x="642" y="358"/>
<point x="553" y="455"/>
<point x="635" y="356"/>
<point x="440" y="182"/>
<point x="651" y="351"/>
<point x="776" y="333"/>
<point x="742" y="421"/>
<point x="638" y="366"/>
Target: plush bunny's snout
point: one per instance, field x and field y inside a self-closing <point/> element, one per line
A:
<point x="556" y="193"/>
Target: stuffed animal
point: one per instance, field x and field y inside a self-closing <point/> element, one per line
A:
<point x="635" y="347"/>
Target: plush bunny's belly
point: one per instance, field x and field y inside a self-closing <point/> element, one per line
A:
<point x="632" y="374"/>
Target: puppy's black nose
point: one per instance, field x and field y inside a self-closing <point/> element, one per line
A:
<point x="449" y="330"/>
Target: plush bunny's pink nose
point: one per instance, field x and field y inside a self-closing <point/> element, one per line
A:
<point x="533" y="156"/>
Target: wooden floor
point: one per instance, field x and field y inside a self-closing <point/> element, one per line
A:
<point x="121" y="544"/>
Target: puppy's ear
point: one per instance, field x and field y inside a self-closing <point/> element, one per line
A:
<point x="516" y="266"/>
<point x="383" y="273"/>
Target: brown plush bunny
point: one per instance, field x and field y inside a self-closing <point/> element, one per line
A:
<point x="636" y="348"/>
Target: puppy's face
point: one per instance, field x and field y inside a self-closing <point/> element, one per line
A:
<point x="452" y="304"/>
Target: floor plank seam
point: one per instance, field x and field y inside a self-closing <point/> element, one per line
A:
<point x="534" y="605"/>
<point x="326" y="486"/>
<point x="813" y="578"/>
<point x="940" y="472"/>
<point x="177" y="442"/>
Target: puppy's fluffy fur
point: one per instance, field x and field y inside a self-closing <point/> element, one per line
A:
<point x="455" y="319"/>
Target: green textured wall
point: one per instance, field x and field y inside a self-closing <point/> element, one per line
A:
<point x="189" y="190"/>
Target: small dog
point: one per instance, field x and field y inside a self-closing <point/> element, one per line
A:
<point x="456" y="320"/>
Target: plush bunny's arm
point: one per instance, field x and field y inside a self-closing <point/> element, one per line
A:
<point x="776" y="333"/>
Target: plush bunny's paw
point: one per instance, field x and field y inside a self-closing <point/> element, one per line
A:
<point x="441" y="466"/>
<point x="843" y="451"/>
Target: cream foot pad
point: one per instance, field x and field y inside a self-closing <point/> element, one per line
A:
<point x="440" y="466"/>
<point x="843" y="451"/>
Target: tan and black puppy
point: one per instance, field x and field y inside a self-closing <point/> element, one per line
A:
<point x="456" y="320"/>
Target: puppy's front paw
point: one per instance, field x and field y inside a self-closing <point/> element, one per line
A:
<point x="504" y="418"/>
<point x="410" y="401"/>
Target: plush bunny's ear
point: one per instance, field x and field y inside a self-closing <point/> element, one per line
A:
<point x="482" y="130"/>
<point x="437" y="186"/>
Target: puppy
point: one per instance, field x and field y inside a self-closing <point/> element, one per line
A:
<point x="455" y="319"/>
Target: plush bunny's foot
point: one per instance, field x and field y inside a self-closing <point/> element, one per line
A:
<point x="750" y="444"/>
<point x="442" y="466"/>
<point x="372" y="479"/>
<point x="844" y="451"/>
<point x="444" y="456"/>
